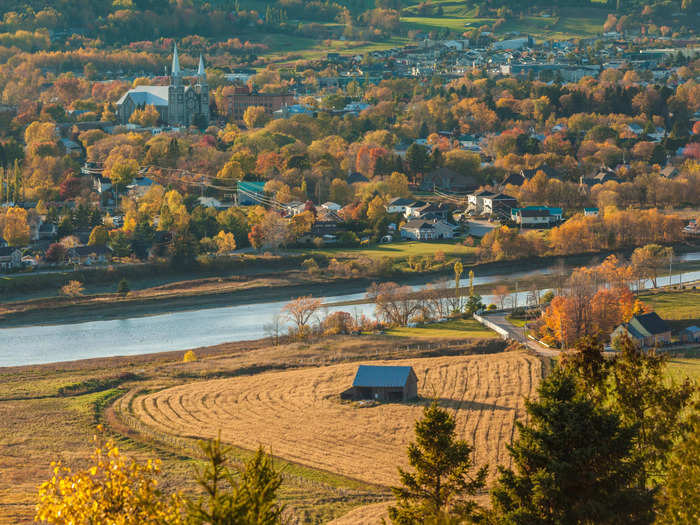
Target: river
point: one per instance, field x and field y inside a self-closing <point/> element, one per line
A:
<point x="183" y="330"/>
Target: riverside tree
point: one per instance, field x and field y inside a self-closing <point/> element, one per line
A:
<point x="441" y="483"/>
<point x="574" y="463"/>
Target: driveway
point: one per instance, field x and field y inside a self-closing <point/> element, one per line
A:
<point x="517" y="333"/>
<point x="479" y="228"/>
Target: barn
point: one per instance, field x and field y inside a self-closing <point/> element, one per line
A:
<point x="384" y="383"/>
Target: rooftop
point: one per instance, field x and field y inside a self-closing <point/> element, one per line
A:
<point x="382" y="376"/>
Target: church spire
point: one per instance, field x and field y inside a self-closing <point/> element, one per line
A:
<point x="200" y="71"/>
<point x="175" y="70"/>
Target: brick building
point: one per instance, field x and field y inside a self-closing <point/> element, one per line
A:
<point x="243" y="98"/>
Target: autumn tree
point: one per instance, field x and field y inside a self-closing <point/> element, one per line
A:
<point x="648" y="260"/>
<point x="394" y="304"/>
<point x="113" y="489"/>
<point x="99" y="235"/>
<point x="301" y="311"/>
<point x="441" y="483"/>
<point x="16" y="229"/>
<point x="72" y="289"/>
<point x="121" y="170"/>
<point x="147" y="117"/>
<point x="573" y="463"/>
<point x="225" y="242"/>
<point x="255" y="117"/>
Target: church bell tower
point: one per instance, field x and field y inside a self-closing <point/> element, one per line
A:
<point x="202" y="90"/>
<point x="176" y="93"/>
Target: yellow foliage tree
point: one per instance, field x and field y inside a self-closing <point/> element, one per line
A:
<point x="255" y="117"/>
<point x="146" y="117"/>
<point x="16" y="230"/>
<point x="112" y="490"/>
<point x="225" y="242"/>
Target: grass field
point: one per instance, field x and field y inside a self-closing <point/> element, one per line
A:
<point x="401" y="250"/>
<point x="299" y="416"/>
<point x="451" y="329"/>
<point x="680" y="368"/>
<point x="675" y="305"/>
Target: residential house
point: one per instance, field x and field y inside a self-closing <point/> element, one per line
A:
<point x="605" y="174"/>
<point x="444" y="230"/>
<point x="383" y="383"/>
<point x="47" y="231"/>
<point x="418" y="230"/>
<point x="669" y="172"/>
<point x="10" y="258"/>
<point x="590" y="212"/>
<point x="444" y="179"/>
<point x="499" y="204"/>
<point x="475" y="201"/>
<point x="295" y="208"/>
<point x="536" y="216"/>
<point x="356" y="178"/>
<point x="101" y="184"/>
<point x="690" y="334"/>
<point x="89" y="255"/>
<point x="647" y="330"/>
<point x="427" y="210"/>
<point x="3" y="243"/>
<point x="398" y="205"/>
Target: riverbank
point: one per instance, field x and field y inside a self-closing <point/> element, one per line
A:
<point x="281" y="286"/>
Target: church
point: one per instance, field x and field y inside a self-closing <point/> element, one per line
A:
<point x="177" y="104"/>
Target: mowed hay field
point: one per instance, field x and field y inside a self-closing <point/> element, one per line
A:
<point x="298" y="414"/>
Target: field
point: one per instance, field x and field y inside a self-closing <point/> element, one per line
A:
<point x="401" y="250"/>
<point x="299" y="416"/>
<point x="675" y="305"/>
<point x="451" y="329"/>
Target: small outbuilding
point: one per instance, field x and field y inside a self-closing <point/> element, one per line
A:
<point x="384" y="383"/>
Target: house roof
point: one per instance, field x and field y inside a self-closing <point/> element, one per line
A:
<point x="418" y="224"/>
<point x="147" y="95"/>
<point x="382" y="376"/>
<point x="692" y="329"/>
<point x="251" y="186"/>
<point x="356" y="177"/>
<point x="84" y="251"/>
<point x="6" y="251"/>
<point x="652" y="323"/>
<point x="400" y="201"/>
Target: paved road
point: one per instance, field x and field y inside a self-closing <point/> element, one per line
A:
<point x="479" y="228"/>
<point x="517" y="333"/>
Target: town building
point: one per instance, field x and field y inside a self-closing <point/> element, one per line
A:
<point x="10" y="258"/>
<point x="89" y="255"/>
<point x="418" y="230"/>
<point x="384" y="383"/>
<point x="536" y="216"/>
<point x="177" y="104"/>
<point x="243" y="98"/>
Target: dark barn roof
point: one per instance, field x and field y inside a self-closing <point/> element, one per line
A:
<point x="382" y="376"/>
<point x="652" y="323"/>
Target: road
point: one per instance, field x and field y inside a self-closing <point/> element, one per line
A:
<point x="517" y="333"/>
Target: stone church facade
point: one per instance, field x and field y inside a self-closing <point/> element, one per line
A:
<point x="177" y="104"/>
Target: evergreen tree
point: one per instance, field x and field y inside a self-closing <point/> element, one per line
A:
<point x="572" y="463"/>
<point x="637" y="388"/>
<point x="439" y="486"/>
<point x="249" y="500"/>
<point x="123" y="287"/>
<point x="416" y="156"/>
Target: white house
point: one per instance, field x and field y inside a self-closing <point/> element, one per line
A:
<point x="444" y="230"/>
<point x="10" y="258"/>
<point x="475" y="201"/>
<point x="139" y="186"/>
<point x="398" y="205"/>
<point x="418" y="230"/>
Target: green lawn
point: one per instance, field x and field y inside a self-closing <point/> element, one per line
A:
<point x="462" y="328"/>
<point x="677" y="306"/>
<point x="399" y="250"/>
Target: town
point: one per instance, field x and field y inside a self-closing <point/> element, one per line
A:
<point x="349" y="262"/>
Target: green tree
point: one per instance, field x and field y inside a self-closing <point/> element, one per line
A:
<point x="248" y="497"/>
<point x="573" y="463"/>
<point x="638" y="389"/>
<point x="680" y="497"/>
<point x="123" y="287"/>
<point x="417" y="158"/>
<point x="439" y="486"/>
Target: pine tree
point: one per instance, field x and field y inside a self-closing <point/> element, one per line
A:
<point x="439" y="486"/>
<point x="572" y="463"/>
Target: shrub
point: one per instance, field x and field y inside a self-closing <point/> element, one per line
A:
<point x="189" y="357"/>
<point x="72" y="289"/>
<point x="123" y="287"/>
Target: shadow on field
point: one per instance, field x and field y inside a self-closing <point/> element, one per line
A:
<point x="446" y="402"/>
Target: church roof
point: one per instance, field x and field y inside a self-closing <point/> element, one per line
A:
<point x="147" y="95"/>
<point x="200" y="70"/>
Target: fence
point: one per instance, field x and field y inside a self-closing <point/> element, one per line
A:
<point x="493" y="326"/>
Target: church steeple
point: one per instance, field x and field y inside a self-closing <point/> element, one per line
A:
<point x="175" y="72"/>
<point x="200" y="71"/>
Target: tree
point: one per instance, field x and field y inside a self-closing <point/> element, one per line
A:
<point x="247" y="496"/>
<point x="440" y="484"/>
<point x="255" y="117"/>
<point x="99" y="235"/>
<point x="572" y="462"/>
<point x="121" y="170"/>
<point x="55" y="253"/>
<point x="417" y="157"/>
<point x="72" y="289"/>
<point x="394" y="304"/>
<point x="225" y="242"/>
<point x="112" y="489"/>
<point x="680" y="498"/>
<point x="147" y="117"/>
<point x="648" y="260"/>
<point x="16" y="230"/>
<point x="637" y="388"/>
<point x="376" y="210"/>
<point x="123" y="287"/>
<point x="301" y="311"/>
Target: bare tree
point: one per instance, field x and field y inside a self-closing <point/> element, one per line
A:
<point x="501" y="293"/>
<point x="301" y="311"/>
<point x="274" y="329"/>
<point x="394" y="304"/>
